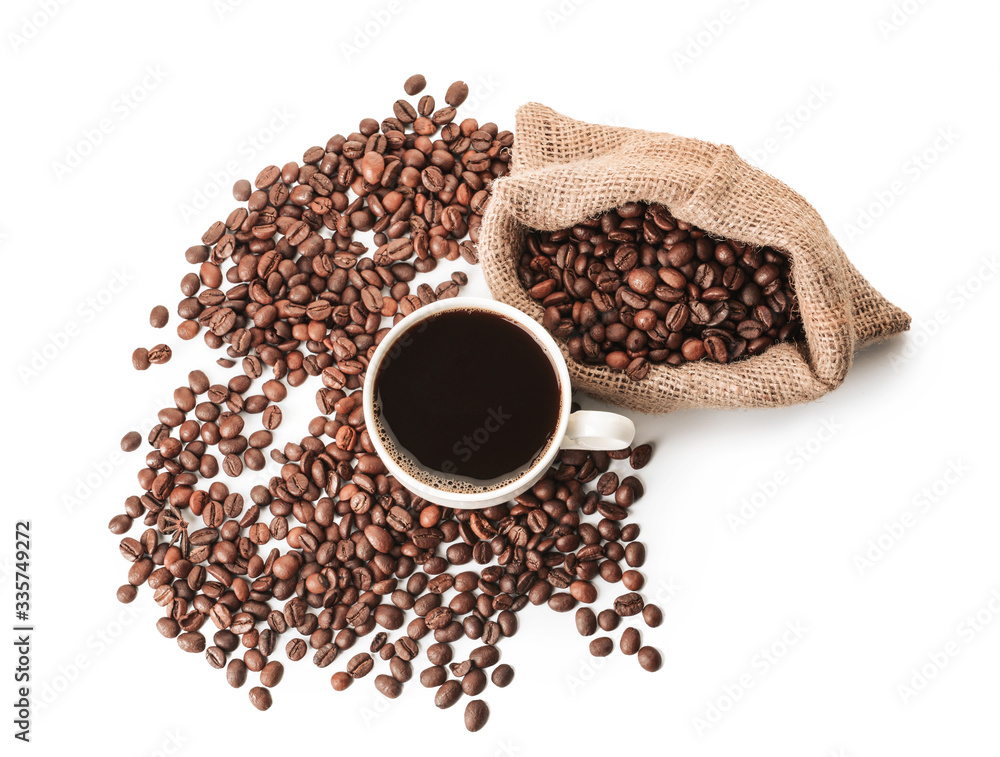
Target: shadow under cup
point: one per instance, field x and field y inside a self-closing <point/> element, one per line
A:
<point x="467" y="400"/>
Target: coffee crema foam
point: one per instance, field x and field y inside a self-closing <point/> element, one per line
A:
<point x="439" y="481"/>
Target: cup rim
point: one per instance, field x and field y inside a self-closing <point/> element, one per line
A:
<point x="546" y="341"/>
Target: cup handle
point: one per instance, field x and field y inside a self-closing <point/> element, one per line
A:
<point x="595" y="429"/>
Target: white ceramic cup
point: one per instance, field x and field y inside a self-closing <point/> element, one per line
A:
<point x="584" y="429"/>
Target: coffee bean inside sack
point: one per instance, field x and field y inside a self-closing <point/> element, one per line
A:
<point x="332" y="562"/>
<point x="636" y="286"/>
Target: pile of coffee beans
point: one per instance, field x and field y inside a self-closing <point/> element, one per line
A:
<point x="636" y="286"/>
<point x="333" y="550"/>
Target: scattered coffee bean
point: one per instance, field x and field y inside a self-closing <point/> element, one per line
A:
<point x="126" y="593"/>
<point x="635" y="554"/>
<point x="295" y="650"/>
<point x="457" y="93"/>
<point x="633" y="580"/>
<point x="474" y="682"/>
<point x="140" y="359"/>
<point x="586" y="621"/>
<point x="628" y="604"/>
<point x="340" y="681"/>
<point x="640" y="456"/>
<point x="131" y="441"/>
<point x="215" y="657"/>
<point x="242" y="190"/>
<point x="157" y="355"/>
<point x="325" y="655"/>
<point x="415" y="84"/>
<point x="653" y="615"/>
<point x="608" y="620"/>
<point x="630" y="641"/>
<point x="401" y="670"/>
<point x="485" y="656"/>
<point x="360" y="665"/>
<point x="120" y="524"/>
<point x="236" y="673"/>
<point x="388" y="686"/>
<point x="476" y="714"/>
<point x="447" y="694"/>
<point x="502" y="675"/>
<point x="168" y="627"/>
<point x="191" y="641"/>
<point x="271" y="674"/>
<point x="650" y="659"/>
<point x="601" y="646"/>
<point x="260" y="698"/>
<point x="158" y="317"/>
<point x="433" y="677"/>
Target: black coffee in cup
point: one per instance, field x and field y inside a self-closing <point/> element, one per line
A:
<point x="467" y="400"/>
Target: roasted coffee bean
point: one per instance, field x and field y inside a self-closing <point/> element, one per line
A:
<point x="630" y="641"/>
<point x="131" y="441"/>
<point x="324" y="655"/>
<point x="562" y="602"/>
<point x="192" y="641"/>
<point x="650" y="659"/>
<point x="633" y="580"/>
<point x="439" y="654"/>
<point x="457" y="93"/>
<point x="388" y="686"/>
<point x="474" y="682"/>
<point x="272" y="673"/>
<point x="607" y="484"/>
<point x="168" y="627"/>
<point x="340" y="681"/>
<point x="236" y="673"/>
<point x="653" y="615"/>
<point x="447" y="694"/>
<point x="507" y="619"/>
<point x="159" y="354"/>
<point x="260" y="698"/>
<point x="126" y="593"/>
<point x="476" y="714"/>
<point x="360" y="665"/>
<point x="415" y="84"/>
<point x="628" y="604"/>
<point x="140" y="359"/>
<point x="120" y="524"/>
<point x="433" y="677"/>
<point x="637" y="369"/>
<point x="401" y="670"/>
<point x="226" y="640"/>
<point x="635" y="554"/>
<point x="586" y="621"/>
<point x="502" y="675"/>
<point x="406" y="648"/>
<point x="601" y="646"/>
<point x="608" y="620"/>
<point x="491" y="632"/>
<point x="640" y="456"/>
<point x="254" y="660"/>
<point x="583" y="591"/>
<point x="485" y="656"/>
<point x="131" y="549"/>
<point x="158" y="317"/>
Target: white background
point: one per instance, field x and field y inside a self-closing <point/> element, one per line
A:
<point x="882" y="114"/>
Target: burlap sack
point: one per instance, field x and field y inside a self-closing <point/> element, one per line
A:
<point x="565" y="171"/>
